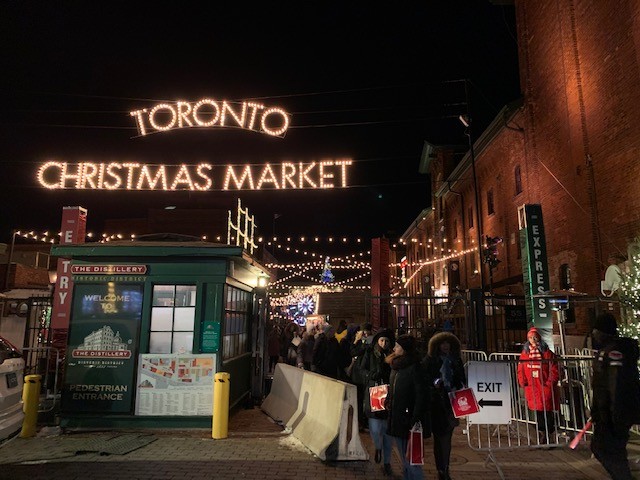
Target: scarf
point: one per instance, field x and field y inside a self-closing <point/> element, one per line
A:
<point x="403" y="361"/>
<point x="446" y="371"/>
<point x="534" y="353"/>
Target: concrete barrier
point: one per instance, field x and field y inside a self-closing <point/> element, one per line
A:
<point x="282" y="401"/>
<point x="325" y="419"/>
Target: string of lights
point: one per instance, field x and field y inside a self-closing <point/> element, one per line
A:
<point x="438" y="260"/>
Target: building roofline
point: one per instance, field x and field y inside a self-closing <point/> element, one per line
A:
<point x="413" y="226"/>
<point x="498" y="125"/>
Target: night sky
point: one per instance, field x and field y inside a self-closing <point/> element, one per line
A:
<point x="370" y="84"/>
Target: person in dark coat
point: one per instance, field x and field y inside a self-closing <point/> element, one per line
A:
<point x="326" y="353"/>
<point x="377" y="372"/>
<point x="305" y="350"/>
<point x="360" y="341"/>
<point x="445" y="372"/>
<point x="273" y="346"/>
<point x="616" y="396"/>
<point x="407" y="400"/>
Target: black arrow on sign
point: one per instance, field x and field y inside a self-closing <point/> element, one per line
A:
<point x="490" y="403"/>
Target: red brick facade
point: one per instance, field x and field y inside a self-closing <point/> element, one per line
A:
<point x="574" y="143"/>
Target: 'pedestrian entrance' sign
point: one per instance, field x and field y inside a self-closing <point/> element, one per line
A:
<point x="491" y="382"/>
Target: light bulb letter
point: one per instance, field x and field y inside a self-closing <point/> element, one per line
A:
<point x="42" y="173"/>
<point x="231" y="174"/>
<point x="139" y="120"/>
<point x="184" y="109"/>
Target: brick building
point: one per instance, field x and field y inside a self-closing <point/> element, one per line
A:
<point x="571" y="145"/>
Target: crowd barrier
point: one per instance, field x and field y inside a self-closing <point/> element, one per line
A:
<point x="282" y="401"/>
<point x="506" y="421"/>
<point x="325" y="419"/>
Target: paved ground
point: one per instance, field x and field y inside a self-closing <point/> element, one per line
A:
<point x="257" y="448"/>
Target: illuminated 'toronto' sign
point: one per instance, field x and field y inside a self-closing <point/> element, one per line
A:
<point x="204" y="176"/>
<point x="212" y="113"/>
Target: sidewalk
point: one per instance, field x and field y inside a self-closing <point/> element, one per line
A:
<point x="257" y="448"/>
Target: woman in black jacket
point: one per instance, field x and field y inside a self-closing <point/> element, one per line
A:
<point x="376" y="372"/>
<point x="445" y="372"/>
<point x="407" y="400"/>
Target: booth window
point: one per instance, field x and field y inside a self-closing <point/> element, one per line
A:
<point x="173" y="315"/>
<point x="238" y="305"/>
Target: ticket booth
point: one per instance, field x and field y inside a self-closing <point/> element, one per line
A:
<point x="151" y="323"/>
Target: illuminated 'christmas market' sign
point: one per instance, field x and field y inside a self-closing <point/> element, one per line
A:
<point x="323" y="174"/>
<point x="209" y="113"/>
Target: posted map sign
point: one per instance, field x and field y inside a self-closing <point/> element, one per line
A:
<point x="491" y="382"/>
<point x="175" y="384"/>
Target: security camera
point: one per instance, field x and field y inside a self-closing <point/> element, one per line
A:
<point x="464" y="119"/>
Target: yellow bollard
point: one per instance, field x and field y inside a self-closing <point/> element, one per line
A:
<point x="220" y="426"/>
<point x="30" y="402"/>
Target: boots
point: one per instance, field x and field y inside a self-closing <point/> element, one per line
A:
<point x="378" y="456"/>
<point x="444" y="474"/>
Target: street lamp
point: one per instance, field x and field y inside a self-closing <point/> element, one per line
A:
<point x="481" y="330"/>
<point x="465" y="119"/>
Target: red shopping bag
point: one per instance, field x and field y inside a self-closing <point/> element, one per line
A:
<point x="377" y="395"/>
<point x="463" y="402"/>
<point x="415" y="447"/>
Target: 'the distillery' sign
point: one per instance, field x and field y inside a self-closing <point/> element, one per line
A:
<point x="323" y="174"/>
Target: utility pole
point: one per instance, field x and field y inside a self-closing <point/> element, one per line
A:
<point x="9" y="259"/>
<point x="466" y="121"/>
<point x="478" y="300"/>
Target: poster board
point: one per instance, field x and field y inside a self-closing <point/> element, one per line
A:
<point x="175" y="384"/>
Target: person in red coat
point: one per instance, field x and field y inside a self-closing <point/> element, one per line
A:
<point x="538" y="375"/>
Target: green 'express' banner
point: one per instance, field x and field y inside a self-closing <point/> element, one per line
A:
<point x="102" y="348"/>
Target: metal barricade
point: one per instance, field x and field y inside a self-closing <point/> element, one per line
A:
<point x="46" y="362"/>
<point x="473" y="355"/>
<point x="548" y="401"/>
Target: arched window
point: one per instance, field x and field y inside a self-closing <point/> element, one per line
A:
<point x="518" y="179"/>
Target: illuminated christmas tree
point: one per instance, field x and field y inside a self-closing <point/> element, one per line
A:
<point x="629" y="294"/>
<point x="327" y="276"/>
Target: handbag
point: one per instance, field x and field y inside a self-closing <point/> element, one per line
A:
<point x="415" y="446"/>
<point x="377" y="395"/>
<point x="463" y="402"/>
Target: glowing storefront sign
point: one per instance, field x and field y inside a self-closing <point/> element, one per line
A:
<point x="323" y="174"/>
<point x="208" y="113"/>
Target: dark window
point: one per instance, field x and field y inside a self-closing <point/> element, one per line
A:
<point x="455" y="228"/>
<point x="237" y="310"/>
<point x="518" y="179"/>
<point x="490" y="210"/>
<point x="470" y="215"/>
<point x="441" y="204"/>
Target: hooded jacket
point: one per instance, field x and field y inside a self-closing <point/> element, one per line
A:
<point x="442" y="417"/>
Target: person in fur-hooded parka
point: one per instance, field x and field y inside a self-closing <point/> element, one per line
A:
<point x="445" y="373"/>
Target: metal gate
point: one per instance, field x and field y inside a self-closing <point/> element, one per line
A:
<point x="39" y="356"/>
<point x="422" y="316"/>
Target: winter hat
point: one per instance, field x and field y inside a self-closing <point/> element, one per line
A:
<point x="606" y="323"/>
<point x="327" y="328"/>
<point x="386" y="333"/>
<point x="407" y="342"/>
<point x="533" y="331"/>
